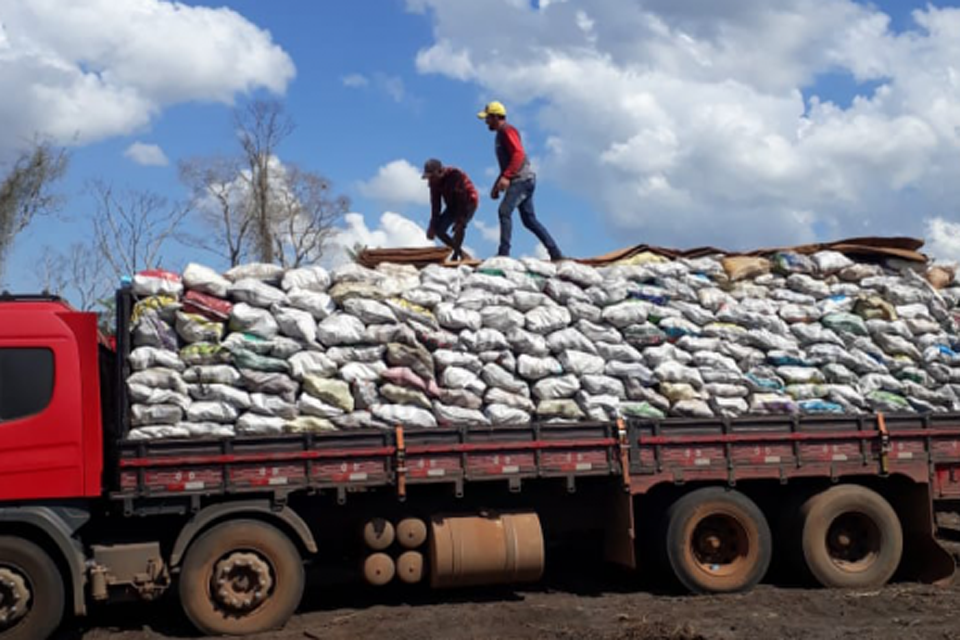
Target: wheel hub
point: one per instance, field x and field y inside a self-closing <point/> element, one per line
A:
<point x="14" y="596"/>
<point x="241" y="582"/>
<point x="853" y="541"/>
<point x="719" y="544"/>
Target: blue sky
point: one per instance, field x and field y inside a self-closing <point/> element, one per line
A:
<point x="680" y="123"/>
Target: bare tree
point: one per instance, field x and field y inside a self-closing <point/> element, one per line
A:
<point x="79" y="275"/>
<point x="132" y="229"/>
<point x="222" y="203"/>
<point x="256" y="206"/>
<point x="261" y="127"/>
<point x="51" y="272"/>
<point x="305" y="213"/>
<point x="25" y="191"/>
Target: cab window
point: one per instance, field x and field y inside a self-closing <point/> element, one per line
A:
<point x="26" y="382"/>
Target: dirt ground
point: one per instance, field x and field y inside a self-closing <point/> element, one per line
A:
<point x="588" y="603"/>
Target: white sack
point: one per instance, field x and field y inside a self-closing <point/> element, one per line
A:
<point x="205" y="280"/>
<point x="148" y="357"/>
<point x="404" y="415"/>
<point x="340" y="328"/>
<point x="313" y="278"/>
<point x="556" y="387"/>
<point x="257" y="293"/>
<point x="534" y="368"/>
<point x="247" y="319"/>
<point x="319" y="305"/>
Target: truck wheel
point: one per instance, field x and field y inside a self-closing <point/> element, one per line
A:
<point x="851" y="537"/>
<point x="718" y="541"/>
<point x="31" y="591"/>
<point x="241" y="577"/>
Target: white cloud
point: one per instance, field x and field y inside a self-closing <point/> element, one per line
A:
<point x="392" y="86"/>
<point x="90" y="69"/>
<point x="539" y="252"/>
<point x="444" y="58"/>
<point x="489" y="232"/>
<point x="394" y="231"/>
<point x="355" y="80"/>
<point x="696" y="123"/>
<point x="397" y="183"/>
<point x="150" y="155"/>
<point x="943" y="239"/>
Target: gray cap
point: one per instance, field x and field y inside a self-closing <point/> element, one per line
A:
<point x="431" y="166"/>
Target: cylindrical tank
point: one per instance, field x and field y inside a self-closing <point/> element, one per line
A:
<point x="411" y="533"/>
<point x="379" y="569"/>
<point x="410" y="567"/>
<point x="378" y="534"/>
<point x="478" y="550"/>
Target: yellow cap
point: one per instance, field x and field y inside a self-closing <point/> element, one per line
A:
<point x="492" y="109"/>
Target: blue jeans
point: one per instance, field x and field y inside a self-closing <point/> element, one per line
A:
<point x="519" y="195"/>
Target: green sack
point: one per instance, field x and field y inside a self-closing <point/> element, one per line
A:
<point x="244" y="359"/>
<point x="335" y="392"/>
<point x="567" y="409"/>
<point x="886" y="401"/>
<point x="309" y="424"/>
<point x="640" y="410"/>
<point x="846" y="322"/>
<point x="204" y="353"/>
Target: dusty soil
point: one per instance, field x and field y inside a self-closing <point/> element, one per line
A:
<point x="577" y="602"/>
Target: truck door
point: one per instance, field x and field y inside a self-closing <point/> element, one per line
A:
<point x="41" y="403"/>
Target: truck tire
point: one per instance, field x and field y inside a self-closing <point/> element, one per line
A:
<point x="29" y="575"/>
<point x="850" y="537"/>
<point x="241" y="577"/>
<point x="717" y="541"/>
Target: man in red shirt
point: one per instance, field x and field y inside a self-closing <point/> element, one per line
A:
<point x="453" y="187"/>
<point x="517" y="179"/>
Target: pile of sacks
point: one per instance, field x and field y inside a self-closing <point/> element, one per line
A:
<point x="261" y="350"/>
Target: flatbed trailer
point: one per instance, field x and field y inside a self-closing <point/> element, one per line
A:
<point x="914" y="460"/>
<point x="88" y="516"/>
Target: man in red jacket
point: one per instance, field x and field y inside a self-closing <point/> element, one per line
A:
<point x="453" y="187"/>
<point x="517" y="179"/>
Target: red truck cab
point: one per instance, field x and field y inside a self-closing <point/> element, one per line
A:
<point x="51" y="436"/>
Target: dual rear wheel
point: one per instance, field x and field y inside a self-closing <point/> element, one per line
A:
<point x="849" y="537"/>
<point x="718" y="540"/>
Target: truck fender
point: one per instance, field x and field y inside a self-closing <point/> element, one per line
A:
<point x="58" y="524"/>
<point x="257" y="508"/>
<point x="924" y="560"/>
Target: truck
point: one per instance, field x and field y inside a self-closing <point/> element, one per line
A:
<point x="233" y="525"/>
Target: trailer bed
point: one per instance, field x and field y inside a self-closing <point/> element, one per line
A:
<point x="638" y="453"/>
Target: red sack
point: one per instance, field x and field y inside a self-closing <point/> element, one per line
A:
<point x="163" y="274"/>
<point x="153" y="282"/>
<point x="207" y="306"/>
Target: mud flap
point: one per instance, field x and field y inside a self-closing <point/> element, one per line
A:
<point x="620" y="534"/>
<point x="924" y="560"/>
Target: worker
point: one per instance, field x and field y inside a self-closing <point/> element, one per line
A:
<point x="453" y="187"/>
<point x="517" y="179"/>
